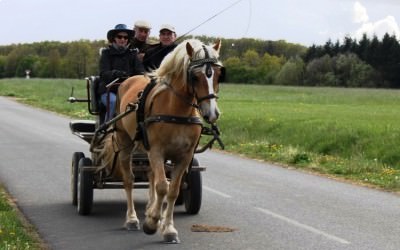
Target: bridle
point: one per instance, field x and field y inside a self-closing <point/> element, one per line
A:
<point x="208" y="62"/>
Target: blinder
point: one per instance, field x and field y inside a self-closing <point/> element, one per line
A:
<point x="221" y="77"/>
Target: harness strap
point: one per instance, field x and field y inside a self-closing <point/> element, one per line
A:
<point x="174" y="119"/>
<point x="210" y="96"/>
<point x="140" y="129"/>
<point x="201" y="62"/>
<point x="142" y="101"/>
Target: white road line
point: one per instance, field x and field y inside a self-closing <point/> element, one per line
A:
<point x="217" y="192"/>
<point x="306" y="227"/>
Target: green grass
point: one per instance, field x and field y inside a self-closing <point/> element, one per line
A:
<point x="347" y="133"/>
<point x="13" y="233"/>
<point x="351" y="133"/>
<point x="50" y="94"/>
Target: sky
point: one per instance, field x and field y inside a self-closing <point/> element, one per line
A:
<point x="305" y="22"/>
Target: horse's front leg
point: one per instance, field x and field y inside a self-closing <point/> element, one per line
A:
<point x="131" y="221"/>
<point x="160" y="187"/>
<point x="168" y="229"/>
<point x="152" y="191"/>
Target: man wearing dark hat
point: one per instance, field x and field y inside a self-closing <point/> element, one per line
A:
<point x="155" y="55"/>
<point x="117" y="61"/>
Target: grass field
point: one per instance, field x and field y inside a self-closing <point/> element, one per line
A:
<point x="350" y="134"/>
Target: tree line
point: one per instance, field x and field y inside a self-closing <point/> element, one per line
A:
<point x="350" y="63"/>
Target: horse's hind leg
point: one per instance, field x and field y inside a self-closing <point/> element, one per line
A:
<point x="131" y="222"/>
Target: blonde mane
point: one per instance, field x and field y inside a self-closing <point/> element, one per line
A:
<point x="174" y="67"/>
<point x="175" y="64"/>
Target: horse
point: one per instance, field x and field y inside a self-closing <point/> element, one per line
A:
<point x="184" y="94"/>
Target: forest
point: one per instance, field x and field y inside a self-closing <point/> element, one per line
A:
<point x="367" y="62"/>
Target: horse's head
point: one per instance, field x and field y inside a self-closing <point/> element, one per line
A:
<point x="205" y="72"/>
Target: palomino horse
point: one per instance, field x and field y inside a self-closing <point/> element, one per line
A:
<point x="186" y="87"/>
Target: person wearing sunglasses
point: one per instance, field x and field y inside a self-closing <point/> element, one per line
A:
<point x="153" y="57"/>
<point x="117" y="62"/>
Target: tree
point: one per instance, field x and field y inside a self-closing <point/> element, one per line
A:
<point x="353" y="72"/>
<point x="77" y="59"/>
<point x="270" y="67"/>
<point x="235" y="68"/>
<point x="3" y="61"/>
<point x="348" y="45"/>
<point x="390" y="64"/>
<point x="292" y="72"/>
<point x="54" y="63"/>
<point x="320" y="72"/>
<point x="26" y="63"/>
<point x="251" y="58"/>
<point x="362" y="48"/>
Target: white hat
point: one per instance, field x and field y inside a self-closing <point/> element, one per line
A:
<point x="167" y="27"/>
<point x="142" y="24"/>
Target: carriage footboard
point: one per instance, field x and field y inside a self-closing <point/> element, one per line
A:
<point x="84" y="129"/>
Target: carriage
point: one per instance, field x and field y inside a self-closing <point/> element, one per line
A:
<point x="107" y="168"/>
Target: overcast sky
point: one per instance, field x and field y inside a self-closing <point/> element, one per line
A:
<point x="298" y="21"/>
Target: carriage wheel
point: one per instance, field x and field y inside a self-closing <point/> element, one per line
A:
<point x="193" y="194"/>
<point x="76" y="156"/>
<point x="179" y="201"/>
<point x="85" y="187"/>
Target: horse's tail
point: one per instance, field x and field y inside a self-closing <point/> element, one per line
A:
<point x="107" y="153"/>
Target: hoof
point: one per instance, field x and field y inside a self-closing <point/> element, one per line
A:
<point x="132" y="226"/>
<point x="171" y="239"/>
<point x="148" y="230"/>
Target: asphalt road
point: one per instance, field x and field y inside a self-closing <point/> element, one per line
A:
<point x="269" y="206"/>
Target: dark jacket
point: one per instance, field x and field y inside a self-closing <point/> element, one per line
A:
<point x="153" y="57"/>
<point x="116" y="63"/>
<point x="142" y="47"/>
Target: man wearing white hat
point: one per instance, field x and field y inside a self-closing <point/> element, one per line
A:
<point x="141" y="34"/>
<point x="155" y="55"/>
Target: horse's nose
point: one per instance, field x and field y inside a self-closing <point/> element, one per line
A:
<point x="213" y="117"/>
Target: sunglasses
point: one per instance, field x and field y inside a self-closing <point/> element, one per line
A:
<point x="122" y="37"/>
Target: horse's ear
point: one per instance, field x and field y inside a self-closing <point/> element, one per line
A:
<point x="217" y="45"/>
<point x="189" y="49"/>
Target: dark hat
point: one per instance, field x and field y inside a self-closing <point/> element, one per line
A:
<point x="118" y="28"/>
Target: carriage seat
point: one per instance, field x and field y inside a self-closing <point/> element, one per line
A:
<point x="96" y="107"/>
<point x="95" y="103"/>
